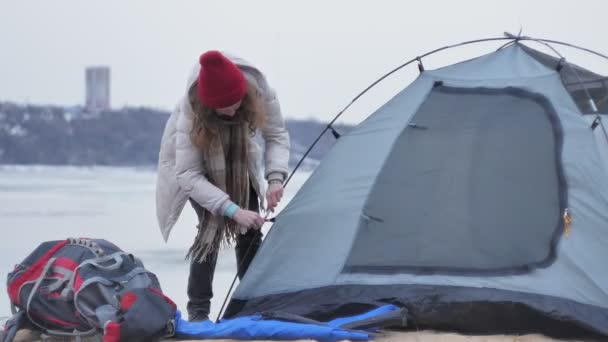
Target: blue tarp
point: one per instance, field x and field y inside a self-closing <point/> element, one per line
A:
<point x="256" y="328"/>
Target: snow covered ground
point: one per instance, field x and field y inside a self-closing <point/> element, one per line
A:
<point x="52" y="203"/>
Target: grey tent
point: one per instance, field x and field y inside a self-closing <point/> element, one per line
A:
<point x="476" y="198"/>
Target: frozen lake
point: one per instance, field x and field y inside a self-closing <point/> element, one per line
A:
<point x="53" y="203"/>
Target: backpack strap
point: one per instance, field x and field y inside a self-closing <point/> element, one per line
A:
<point x="68" y="292"/>
<point x="10" y="328"/>
<point x="46" y="269"/>
<point x="102" y="280"/>
<point x="97" y="262"/>
<point x="14" y="288"/>
<point x="76" y="334"/>
<point x="14" y="310"/>
<point x="34" y="290"/>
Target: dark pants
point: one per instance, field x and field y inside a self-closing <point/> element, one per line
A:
<point x="201" y="274"/>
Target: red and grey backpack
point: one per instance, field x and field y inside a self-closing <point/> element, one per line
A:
<point x="80" y="287"/>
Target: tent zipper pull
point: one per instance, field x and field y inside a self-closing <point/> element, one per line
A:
<point x="567" y="222"/>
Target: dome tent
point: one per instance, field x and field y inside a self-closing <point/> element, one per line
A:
<point x="476" y="198"/>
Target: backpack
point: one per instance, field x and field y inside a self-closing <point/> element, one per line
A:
<point x="84" y="287"/>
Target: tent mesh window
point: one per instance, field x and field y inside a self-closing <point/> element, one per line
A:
<point x="575" y="80"/>
<point x="598" y="90"/>
<point x="473" y="184"/>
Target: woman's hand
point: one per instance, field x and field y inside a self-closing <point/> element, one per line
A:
<point x="248" y="219"/>
<point x="274" y="194"/>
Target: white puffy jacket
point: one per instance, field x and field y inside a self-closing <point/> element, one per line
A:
<point x="181" y="171"/>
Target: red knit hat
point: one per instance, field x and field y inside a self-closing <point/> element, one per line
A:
<point x="220" y="82"/>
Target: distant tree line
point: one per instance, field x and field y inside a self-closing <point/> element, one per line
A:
<point x="51" y="135"/>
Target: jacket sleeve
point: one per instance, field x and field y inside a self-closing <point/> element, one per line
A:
<point x="189" y="169"/>
<point x="276" y="137"/>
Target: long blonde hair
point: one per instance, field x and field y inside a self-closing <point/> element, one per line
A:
<point x="206" y="121"/>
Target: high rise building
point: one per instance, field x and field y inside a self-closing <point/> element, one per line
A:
<point x="98" y="89"/>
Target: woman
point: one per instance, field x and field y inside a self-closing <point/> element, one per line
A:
<point x="209" y="155"/>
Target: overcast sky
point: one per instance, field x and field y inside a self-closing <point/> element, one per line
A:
<point x="317" y="54"/>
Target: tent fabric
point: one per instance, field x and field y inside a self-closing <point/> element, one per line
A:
<point x="456" y="173"/>
<point x="256" y="328"/>
<point x="318" y="235"/>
